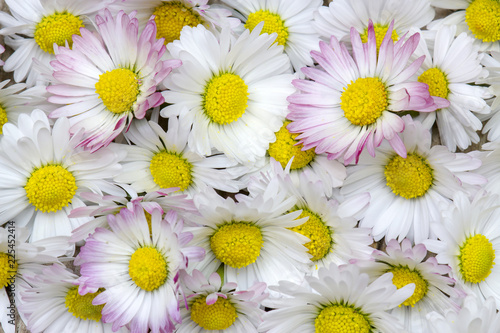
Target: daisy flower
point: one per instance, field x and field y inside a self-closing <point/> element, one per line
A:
<point x="35" y="26"/>
<point x="218" y="307"/>
<point x="342" y="300"/>
<point x="137" y="263"/>
<point x="455" y="64"/>
<point x="160" y="159"/>
<point x="104" y="82"/>
<point x="491" y="63"/>
<point x="350" y="101"/>
<point x="235" y="91"/>
<point x="42" y="175"/>
<point x="469" y="240"/>
<point x="490" y="158"/>
<point x="290" y="19"/>
<point x="406" y="193"/>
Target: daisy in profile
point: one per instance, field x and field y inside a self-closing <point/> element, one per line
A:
<point x="406" y="193"/>
<point x="137" y="263"/>
<point x="160" y="159"/>
<point x="218" y="307"/>
<point x="36" y="25"/>
<point x="43" y="175"/>
<point x="342" y="300"/>
<point x="235" y="91"/>
<point x="469" y="241"/>
<point x="291" y="20"/>
<point x="104" y="82"/>
<point x="454" y="66"/>
<point x="351" y="102"/>
<point x="491" y="63"/>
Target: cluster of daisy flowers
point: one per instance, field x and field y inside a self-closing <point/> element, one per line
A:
<point x="250" y="166"/>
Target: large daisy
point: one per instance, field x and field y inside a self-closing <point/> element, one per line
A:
<point x="351" y="101"/>
<point x="105" y="81"/>
<point x="235" y="91"/>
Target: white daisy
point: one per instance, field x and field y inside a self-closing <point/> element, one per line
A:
<point x="138" y="265"/>
<point x="490" y="157"/>
<point x="107" y="80"/>
<point x="491" y="63"/>
<point x="36" y="25"/>
<point x="469" y="240"/>
<point x="235" y="91"/>
<point x="406" y="192"/>
<point x="42" y="175"/>
<point x="218" y="307"/>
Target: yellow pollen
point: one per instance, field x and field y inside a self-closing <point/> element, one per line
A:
<point x="225" y="98"/>
<point x="171" y="170"/>
<point x="483" y="19"/>
<point x="81" y="306"/>
<point x="171" y="17"/>
<point x="409" y="177"/>
<point x="50" y="188"/>
<point x="218" y="316"/>
<point x="118" y="89"/>
<point x="437" y="82"/>
<point x="57" y="28"/>
<point x="3" y="118"/>
<point x="272" y="23"/>
<point x="285" y="147"/>
<point x="318" y="232"/>
<point x="148" y="268"/>
<point x="476" y="259"/>
<point x="237" y="244"/>
<point x="364" y="101"/>
<point x="403" y="276"/>
<point x="8" y="269"/>
<point x="338" y="318"/>
<point x="380" y="31"/>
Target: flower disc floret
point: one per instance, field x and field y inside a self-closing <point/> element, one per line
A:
<point x="339" y="318"/>
<point x="402" y="276"/>
<point x="50" y="188"/>
<point x="8" y="269"/>
<point x="237" y="244"/>
<point x="171" y="170"/>
<point x="380" y="31"/>
<point x="148" y="268"/>
<point x="81" y="306"/>
<point x="118" y="89"/>
<point x="171" y="17"/>
<point x="218" y="316"/>
<point x="3" y="118"/>
<point x="364" y="100"/>
<point x="476" y="258"/>
<point x="272" y="23"/>
<point x="483" y="19"/>
<point x="437" y="82"/>
<point x="57" y="28"/>
<point x="409" y="177"/>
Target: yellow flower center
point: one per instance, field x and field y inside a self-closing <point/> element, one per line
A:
<point x="81" y="306"/>
<point x="364" y="101"/>
<point x="148" y="268"/>
<point x="318" y="232"/>
<point x="171" y="17"/>
<point x="171" y="170"/>
<point x="476" y="258"/>
<point x="118" y="89"/>
<point x="285" y="147"/>
<point x="409" y="177"/>
<point x="50" y="188"/>
<point x="380" y="31"/>
<point x="403" y="276"/>
<point x="8" y="269"/>
<point x="483" y="19"/>
<point x="339" y="318"/>
<point x="272" y="23"/>
<point x="57" y="28"/>
<point x="437" y="82"/>
<point x="237" y="244"/>
<point x="225" y="98"/>
<point x="218" y="316"/>
<point x="3" y="118"/>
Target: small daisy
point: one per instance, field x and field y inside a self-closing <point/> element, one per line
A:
<point x="290" y="19"/>
<point x="350" y="101"/>
<point x="469" y="240"/>
<point x="104" y="82"/>
<point x="406" y="193"/>
<point x="220" y="308"/>
<point x="137" y="263"/>
<point x="36" y="25"/>
<point x="235" y="91"/>
<point x="42" y="175"/>
<point x="343" y="300"/>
